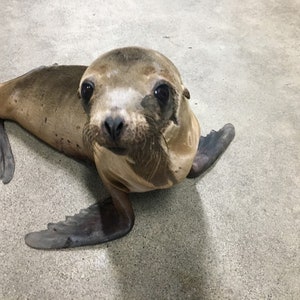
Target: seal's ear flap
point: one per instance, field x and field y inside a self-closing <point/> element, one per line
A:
<point x="186" y="93"/>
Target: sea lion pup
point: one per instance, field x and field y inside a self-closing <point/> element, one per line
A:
<point x="133" y="120"/>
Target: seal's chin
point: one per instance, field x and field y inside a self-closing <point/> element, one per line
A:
<point x="117" y="150"/>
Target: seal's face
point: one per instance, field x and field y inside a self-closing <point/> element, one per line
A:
<point x="131" y="96"/>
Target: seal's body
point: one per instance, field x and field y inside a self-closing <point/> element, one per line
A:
<point x="130" y="115"/>
<point x="45" y="102"/>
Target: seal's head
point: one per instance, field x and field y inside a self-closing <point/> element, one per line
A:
<point x="137" y="108"/>
<point x="131" y="96"/>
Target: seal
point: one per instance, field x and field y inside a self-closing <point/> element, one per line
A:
<point x="129" y="113"/>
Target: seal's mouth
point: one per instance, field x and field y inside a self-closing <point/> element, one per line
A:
<point x="117" y="150"/>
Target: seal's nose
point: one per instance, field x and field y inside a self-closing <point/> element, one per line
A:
<point x="114" y="126"/>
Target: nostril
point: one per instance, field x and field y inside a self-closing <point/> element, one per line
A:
<point x="108" y="123"/>
<point x="119" y="126"/>
<point x="114" y="126"/>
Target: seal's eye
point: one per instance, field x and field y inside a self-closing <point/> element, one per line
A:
<point x="87" y="89"/>
<point x="162" y="93"/>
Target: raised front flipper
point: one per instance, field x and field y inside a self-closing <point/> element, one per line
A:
<point x="7" y="163"/>
<point x="101" y="222"/>
<point x="210" y="148"/>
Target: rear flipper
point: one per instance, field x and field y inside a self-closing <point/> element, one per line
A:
<point x="210" y="148"/>
<point x="7" y="163"/>
<point x="101" y="222"/>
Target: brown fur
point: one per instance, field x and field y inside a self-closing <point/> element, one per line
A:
<point x="160" y="142"/>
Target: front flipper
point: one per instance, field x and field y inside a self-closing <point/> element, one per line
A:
<point x="7" y="163"/>
<point x="101" y="222"/>
<point x="210" y="148"/>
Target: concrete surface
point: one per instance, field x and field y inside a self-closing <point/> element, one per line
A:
<point x="233" y="234"/>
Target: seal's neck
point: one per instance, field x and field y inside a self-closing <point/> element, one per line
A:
<point x="151" y="162"/>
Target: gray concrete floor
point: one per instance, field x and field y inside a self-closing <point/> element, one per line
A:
<point x="233" y="234"/>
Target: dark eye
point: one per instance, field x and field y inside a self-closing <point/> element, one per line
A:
<point x="87" y="89"/>
<point x="162" y="93"/>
